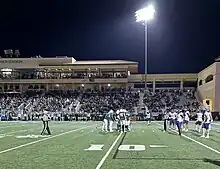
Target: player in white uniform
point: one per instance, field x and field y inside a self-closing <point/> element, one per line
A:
<point x="105" y="123"/>
<point x="118" y="120"/>
<point x="206" y="124"/>
<point x="110" y="120"/>
<point x="127" y="122"/>
<point x="199" y="121"/>
<point x="172" y="117"/>
<point x="186" y="121"/>
<point x="179" y="122"/>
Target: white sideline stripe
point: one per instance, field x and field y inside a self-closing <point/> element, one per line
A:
<point x="37" y="141"/>
<point x="158" y="146"/>
<point x="189" y="138"/>
<point x="108" y="152"/>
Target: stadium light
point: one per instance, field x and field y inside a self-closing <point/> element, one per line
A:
<point x="144" y="15"/>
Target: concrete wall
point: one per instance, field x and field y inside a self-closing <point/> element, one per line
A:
<point x="217" y="87"/>
<point x="207" y="90"/>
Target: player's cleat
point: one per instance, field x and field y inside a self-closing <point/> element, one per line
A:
<point x="207" y="137"/>
<point x="202" y="136"/>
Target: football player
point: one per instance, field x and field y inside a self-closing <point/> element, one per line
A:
<point x="186" y="121"/>
<point x="199" y="121"/>
<point x="110" y="119"/>
<point x="105" y="122"/>
<point x="172" y="116"/>
<point x="179" y="121"/>
<point x="118" y="120"/>
<point x="206" y="123"/>
<point x="128" y="122"/>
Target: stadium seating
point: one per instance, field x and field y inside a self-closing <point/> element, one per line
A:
<point x="100" y="102"/>
<point x="170" y="99"/>
<point x="30" y="105"/>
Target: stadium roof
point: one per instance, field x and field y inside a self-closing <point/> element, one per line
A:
<point x="96" y="62"/>
<point x="217" y="59"/>
<point x="104" y="62"/>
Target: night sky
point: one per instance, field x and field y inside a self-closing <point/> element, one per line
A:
<point x="183" y="38"/>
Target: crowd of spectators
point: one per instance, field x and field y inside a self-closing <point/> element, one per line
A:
<point x="163" y="99"/>
<point x="91" y="104"/>
<point x="31" y="105"/>
<point x="99" y="102"/>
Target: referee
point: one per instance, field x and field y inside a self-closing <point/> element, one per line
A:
<point x="166" y="117"/>
<point x="45" y="120"/>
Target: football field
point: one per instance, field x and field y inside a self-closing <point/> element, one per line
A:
<point x="82" y="145"/>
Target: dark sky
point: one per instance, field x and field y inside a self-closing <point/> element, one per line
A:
<point x="184" y="37"/>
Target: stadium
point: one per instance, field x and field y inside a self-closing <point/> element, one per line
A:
<point x="75" y="95"/>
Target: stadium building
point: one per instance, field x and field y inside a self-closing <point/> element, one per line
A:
<point x="43" y="74"/>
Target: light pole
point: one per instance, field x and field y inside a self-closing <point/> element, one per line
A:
<point x="144" y="15"/>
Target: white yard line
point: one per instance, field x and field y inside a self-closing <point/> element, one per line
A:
<point x="217" y="124"/>
<point x="189" y="138"/>
<point x="10" y="126"/>
<point x="108" y="152"/>
<point x="16" y="131"/>
<point x="47" y="138"/>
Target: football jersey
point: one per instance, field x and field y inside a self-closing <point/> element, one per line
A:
<point x="122" y="116"/>
<point x="109" y="116"/>
<point x="186" y="116"/>
<point x="199" y="116"/>
<point x="207" y="117"/>
<point x="166" y="116"/>
<point x="180" y="117"/>
<point x="172" y="115"/>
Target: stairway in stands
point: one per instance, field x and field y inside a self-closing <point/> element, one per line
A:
<point x="141" y="102"/>
<point x="141" y="99"/>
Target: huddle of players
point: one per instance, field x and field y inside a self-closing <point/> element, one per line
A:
<point x="122" y="119"/>
<point x="180" y="119"/>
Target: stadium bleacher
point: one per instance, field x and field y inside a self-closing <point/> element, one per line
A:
<point x="60" y="103"/>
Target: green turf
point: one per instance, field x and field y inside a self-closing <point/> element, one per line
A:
<point x="66" y="151"/>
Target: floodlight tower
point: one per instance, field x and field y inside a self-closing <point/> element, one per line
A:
<point x="144" y="16"/>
